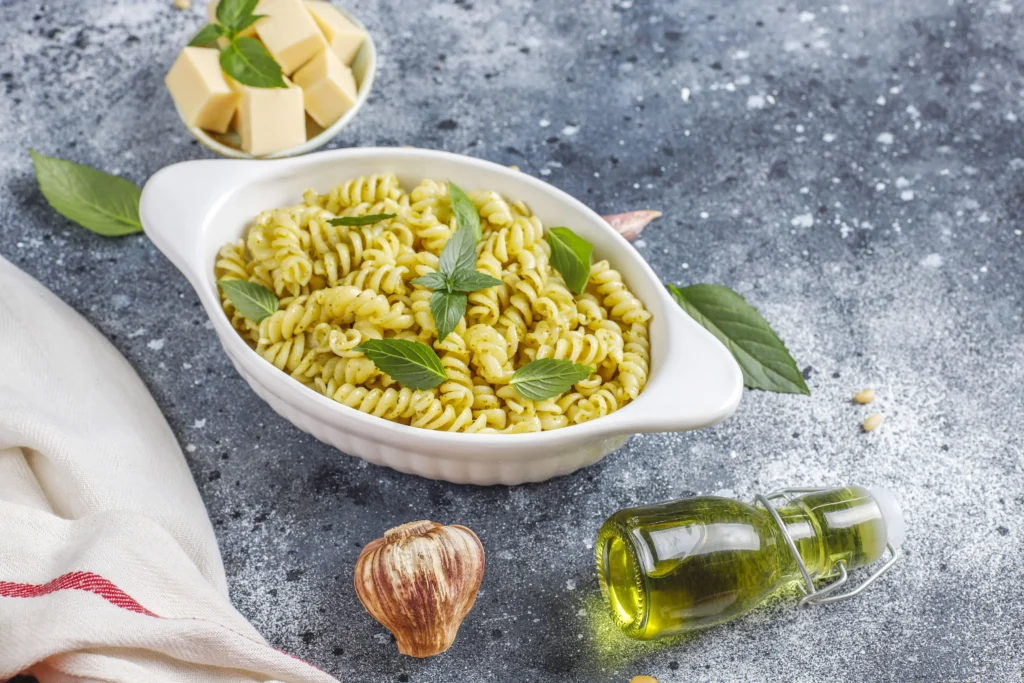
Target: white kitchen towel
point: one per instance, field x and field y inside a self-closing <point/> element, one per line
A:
<point x="109" y="569"/>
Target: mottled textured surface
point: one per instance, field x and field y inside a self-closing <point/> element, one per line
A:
<point x="856" y="170"/>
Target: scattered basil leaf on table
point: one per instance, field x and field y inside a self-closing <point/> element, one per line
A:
<point x="447" y="309"/>
<point x="570" y="256"/>
<point x="104" y="203"/>
<point x="251" y="299"/>
<point x="547" y="377"/>
<point x="762" y="356"/>
<point x="413" y="364"/>
<point x="232" y="14"/>
<point x="471" y="281"/>
<point x="466" y="215"/>
<point x="361" y="220"/>
<point x="248" y="62"/>
<point x="207" y="35"/>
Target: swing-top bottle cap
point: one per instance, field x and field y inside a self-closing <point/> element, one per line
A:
<point x="892" y="514"/>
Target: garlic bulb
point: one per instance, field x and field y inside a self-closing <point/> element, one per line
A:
<point x="630" y="224"/>
<point x="420" y="581"/>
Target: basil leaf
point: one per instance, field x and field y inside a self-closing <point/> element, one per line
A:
<point x="471" y="281"/>
<point x="762" y="356"/>
<point x="104" y="203"/>
<point x="547" y="377"/>
<point x="466" y="215"/>
<point x="411" y="363"/>
<point x="459" y="253"/>
<point x="251" y="299"/>
<point x="361" y="220"/>
<point x="207" y="36"/>
<point x="447" y="309"/>
<point x="249" y="63"/>
<point x="432" y="281"/>
<point x="249" y="21"/>
<point x="570" y="256"/>
<point x="231" y="14"/>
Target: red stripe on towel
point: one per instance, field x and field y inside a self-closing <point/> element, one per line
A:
<point x="79" y="581"/>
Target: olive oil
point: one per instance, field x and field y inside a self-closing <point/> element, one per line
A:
<point x="687" y="564"/>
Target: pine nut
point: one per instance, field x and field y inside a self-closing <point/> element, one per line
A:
<point x="866" y="396"/>
<point x="643" y="679"/>
<point x="182" y="4"/>
<point x="873" y="422"/>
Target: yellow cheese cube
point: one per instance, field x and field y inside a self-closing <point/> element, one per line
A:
<point x="289" y="32"/>
<point x="270" y="119"/>
<point x="199" y="89"/>
<point x="328" y="87"/>
<point x="344" y="37"/>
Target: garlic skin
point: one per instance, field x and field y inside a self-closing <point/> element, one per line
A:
<point x="630" y="224"/>
<point x="420" y="581"/>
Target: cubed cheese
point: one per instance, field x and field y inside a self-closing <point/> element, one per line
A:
<point x="270" y="119"/>
<point x="200" y="91"/>
<point x="328" y="87"/>
<point x="289" y="32"/>
<point x="344" y="37"/>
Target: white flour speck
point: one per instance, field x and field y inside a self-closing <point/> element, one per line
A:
<point x="156" y="344"/>
<point x="740" y="54"/>
<point x="907" y="195"/>
<point x="191" y="448"/>
<point x="828" y="137"/>
<point x="543" y="123"/>
<point x="703" y="214"/>
<point x="932" y="261"/>
<point x="880" y="101"/>
<point x="199" y="424"/>
<point x="902" y="182"/>
<point x="755" y="102"/>
<point x="804" y="220"/>
<point x="885" y="138"/>
<point x="570" y="130"/>
<point x="685" y="94"/>
<point x="137" y="333"/>
<point x="880" y="187"/>
<point x="806" y="17"/>
<point x="570" y="585"/>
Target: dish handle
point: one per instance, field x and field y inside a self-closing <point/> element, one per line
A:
<point x="696" y="384"/>
<point x="177" y="201"/>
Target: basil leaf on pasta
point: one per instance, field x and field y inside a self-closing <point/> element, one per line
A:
<point x="571" y="257"/>
<point x="547" y="377"/>
<point x="251" y="299"/>
<point x="447" y="309"/>
<point x="413" y="364"/>
<point x="361" y="220"/>
<point x="248" y="62"/>
<point x="471" y="281"/>
<point x="104" y="203"/>
<point x="465" y="211"/>
<point x="207" y="36"/>
<point x="431" y="281"/>
<point x="762" y="356"/>
<point x="459" y="253"/>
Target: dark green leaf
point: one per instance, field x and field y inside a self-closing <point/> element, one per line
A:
<point x="361" y="220"/>
<point x="459" y="253"/>
<point x="249" y="63"/>
<point x="432" y="281"/>
<point x="249" y="21"/>
<point x="207" y="36"/>
<point x="447" y="309"/>
<point x="251" y="299"/>
<point x="103" y="203"/>
<point x="411" y="363"/>
<point x="232" y="14"/>
<point x="465" y="211"/>
<point x="762" y="356"/>
<point x="472" y="281"/>
<point x="547" y="377"/>
<point x="570" y="256"/>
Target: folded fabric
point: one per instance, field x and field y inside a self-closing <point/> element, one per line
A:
<point x="109" y="569"/>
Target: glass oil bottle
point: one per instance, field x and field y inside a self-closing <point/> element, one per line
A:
<point x="687" y="564"/>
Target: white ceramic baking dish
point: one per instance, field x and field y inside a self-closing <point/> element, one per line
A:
<point x="190" y="209"/>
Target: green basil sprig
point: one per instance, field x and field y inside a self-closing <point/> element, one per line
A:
<point x="571" y="256"/>
<point x="762" y="356"/>
<point x="361" y="220"/>
<point x="104" y="203"/>
<point x="456" y="277"/>
<point x="412" y="364"/>
<point x="251" y="299"/>
<point x="466" y="215"/>
<point x="245" y="59"/>
<point x="548" y="377"/>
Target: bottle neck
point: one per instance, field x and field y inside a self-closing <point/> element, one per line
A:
<point x="835" y="525"/>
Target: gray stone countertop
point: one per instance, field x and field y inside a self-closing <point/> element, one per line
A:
<point x="856" y="170"/>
